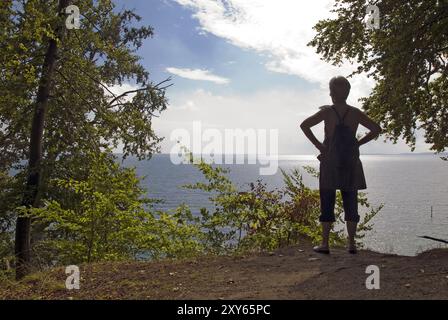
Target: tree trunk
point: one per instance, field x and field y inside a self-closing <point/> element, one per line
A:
<point x="33" y="184"/>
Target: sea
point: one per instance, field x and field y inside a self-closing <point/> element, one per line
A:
<point x="412" y="187"/>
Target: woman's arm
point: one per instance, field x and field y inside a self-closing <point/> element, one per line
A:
<point x="308" y="124"/>
<point x="375" y="129"/>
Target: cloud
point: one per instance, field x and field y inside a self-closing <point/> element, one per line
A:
<point x="279" y="29"/>
<point x="281" y="109"/>
<point x="189" y="106"/>
<point x="198" y="74"/>
<point x="118" y="90"/>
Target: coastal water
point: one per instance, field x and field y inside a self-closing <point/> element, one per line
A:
<point x="408" y="185"/>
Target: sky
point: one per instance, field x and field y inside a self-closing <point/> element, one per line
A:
<point x="245" y="64"/>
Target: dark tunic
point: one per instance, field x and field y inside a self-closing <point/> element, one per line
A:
<point x="333" y="178"/>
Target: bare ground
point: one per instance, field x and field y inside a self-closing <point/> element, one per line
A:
<point x="290" y="273"/>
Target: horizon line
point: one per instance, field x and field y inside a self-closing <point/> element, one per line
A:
<point x="304" y="155"/>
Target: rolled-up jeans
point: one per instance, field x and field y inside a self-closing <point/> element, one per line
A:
<point x="328" y="201"/>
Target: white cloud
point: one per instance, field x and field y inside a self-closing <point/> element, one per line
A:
<point x="189" y="106"/>
<point x="198" y="74"/>
<point x="280" y="29"/>
<point x="117" y="90"/>
<point x="278" y="109"/>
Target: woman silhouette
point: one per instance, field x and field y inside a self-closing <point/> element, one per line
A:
<point x="340" y="166"/>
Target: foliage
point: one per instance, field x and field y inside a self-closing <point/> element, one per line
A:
<point x="262" y="219"/>
<point x="9" y="200"/>
<point x="106" y="217"/>
<point x="84" y="114"/>
<point x="407" y="57"/>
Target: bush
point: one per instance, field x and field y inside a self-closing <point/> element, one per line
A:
<point x="105" y="216"/>
<point x="261" y="219"/>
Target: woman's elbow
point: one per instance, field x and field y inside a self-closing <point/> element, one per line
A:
<point x="304" y="126"/>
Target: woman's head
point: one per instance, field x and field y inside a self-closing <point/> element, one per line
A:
<point x="339" y="89"/>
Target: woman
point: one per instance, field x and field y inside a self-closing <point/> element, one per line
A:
<point x="340" y="166"/>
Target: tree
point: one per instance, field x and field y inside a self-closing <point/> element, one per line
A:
<point x="30" y="195"/>
<point x="107" y="216"/>
<point x="66" y="76"/>
<point x="407" y="57"/>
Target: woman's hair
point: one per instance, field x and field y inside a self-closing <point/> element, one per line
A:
<point x="339" y="88"/>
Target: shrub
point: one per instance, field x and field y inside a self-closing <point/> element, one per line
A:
<point x="262" y="219"/>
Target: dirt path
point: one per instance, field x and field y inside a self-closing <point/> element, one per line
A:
<point x="290" y="273"/>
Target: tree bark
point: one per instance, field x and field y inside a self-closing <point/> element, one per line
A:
<point x="33" y="184"/>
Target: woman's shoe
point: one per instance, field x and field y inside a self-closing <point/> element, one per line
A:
<point x="320" y="249"/>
